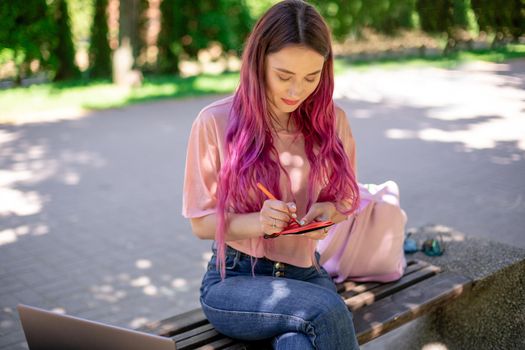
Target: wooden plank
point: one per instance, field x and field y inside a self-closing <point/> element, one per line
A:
<point x="192" y="332"/>
<point x="386" y="289"/>
<point x="360" y="287"/>
<point x="200" y="339"/>
<point x="224" y="343"/>
<point x="176" y="324"/>
<point x="357" y="301"/>
<point x="408" y="304"/>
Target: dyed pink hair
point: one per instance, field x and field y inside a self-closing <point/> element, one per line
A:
<point x="251" y="156"/>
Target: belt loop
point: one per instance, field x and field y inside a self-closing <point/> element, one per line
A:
<point x="237" y="257"/>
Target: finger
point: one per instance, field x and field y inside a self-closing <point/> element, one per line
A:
<point x="318" y="234"/>
<point x="280" y="206"/>
<point x="274" y="218"/>
<point x="270" y="225"/>
<point x="322" y="217"/>
<point x="277" y="205"/>
<point x="312" y="213"/>
<point x="279" y="218"/>
<point x="292" y="209"/>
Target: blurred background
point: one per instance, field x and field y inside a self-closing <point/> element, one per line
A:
<point x="78" y="47"/>
<point x="97" y="98"/>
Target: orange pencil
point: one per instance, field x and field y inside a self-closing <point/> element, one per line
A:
<point x="265" y="191"/>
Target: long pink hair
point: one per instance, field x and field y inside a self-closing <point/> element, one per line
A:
<point x="251" y="156"/>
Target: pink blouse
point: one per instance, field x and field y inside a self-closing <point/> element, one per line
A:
<point x="206" y="152"/>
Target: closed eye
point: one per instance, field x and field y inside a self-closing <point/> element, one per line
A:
<point x="287" y="79"/>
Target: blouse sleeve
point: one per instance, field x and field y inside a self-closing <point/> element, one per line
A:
<point x="345" y="134"/>
<point x="202" y="168"/>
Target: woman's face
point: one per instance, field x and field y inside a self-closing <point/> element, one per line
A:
<point x="292" y="74"/>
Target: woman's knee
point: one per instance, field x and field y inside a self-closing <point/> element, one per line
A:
<point x="292" y="340"/>
<point x="334" y="311"/>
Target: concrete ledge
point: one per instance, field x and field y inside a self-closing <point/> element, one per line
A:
<point x="490" y="316"/>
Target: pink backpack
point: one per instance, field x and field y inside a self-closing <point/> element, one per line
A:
<point x="368" y="246"/>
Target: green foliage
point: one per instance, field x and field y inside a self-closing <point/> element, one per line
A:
<point x="446" y="16"/>
<point x="81" y="13"/>
<point x="188" y="26"/>
<point x="99" y="50"/>
<point x="256" y="8"/>
<point x="387" y="16"/>
<point x="505" y="18"/>
<point x="169" y="50"/>
<point x="347" y="18"/>
<point x="27" y="31"/>
<point x="63" y="51"/>
<point x="224" y="21"/>
<point x="435" y="16"/>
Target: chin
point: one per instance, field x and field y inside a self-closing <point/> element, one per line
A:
<point x="287" y="108"/>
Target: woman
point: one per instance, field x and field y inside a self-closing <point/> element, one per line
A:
<point x="281" y="129"/>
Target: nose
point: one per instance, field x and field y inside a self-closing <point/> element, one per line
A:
<point x="295" y="90"/>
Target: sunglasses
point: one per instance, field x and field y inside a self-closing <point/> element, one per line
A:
<point x="430" y="247"/>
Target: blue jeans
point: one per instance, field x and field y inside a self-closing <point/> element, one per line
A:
<point x="298" y="308"/>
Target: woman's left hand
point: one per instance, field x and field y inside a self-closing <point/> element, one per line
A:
<point x="324" y="211"/>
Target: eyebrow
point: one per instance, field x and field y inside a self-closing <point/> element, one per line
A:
<point x="289" y="72"/>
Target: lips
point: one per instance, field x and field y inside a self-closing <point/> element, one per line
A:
<point x="290" y="102"/>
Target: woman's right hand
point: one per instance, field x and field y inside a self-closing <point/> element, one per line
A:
<point x="275" y="215"/>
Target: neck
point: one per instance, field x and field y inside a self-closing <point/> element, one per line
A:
<point x="280" y="120"/>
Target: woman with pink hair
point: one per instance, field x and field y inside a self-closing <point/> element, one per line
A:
<point x="282" y="129"/>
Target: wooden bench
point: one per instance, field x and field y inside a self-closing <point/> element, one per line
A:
<point x="377" y="308"/>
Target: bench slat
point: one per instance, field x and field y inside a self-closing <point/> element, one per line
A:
<point x="356" y="301"/>
<point x="408" y="304"/>
<point x="359" y="287"/>
<point x="220" y="344"/>
<point x="200" y="339"/>
<point x="192" y="332"/>
<point x="176" y="324"/>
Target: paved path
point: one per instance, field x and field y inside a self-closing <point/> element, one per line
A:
<point x="90" y="218"/>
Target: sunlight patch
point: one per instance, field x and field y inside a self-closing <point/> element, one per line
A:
<point x="19" y="203"/>
<point x="143" y="264"/>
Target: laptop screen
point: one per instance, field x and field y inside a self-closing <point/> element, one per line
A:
<point x="46" y="330"/>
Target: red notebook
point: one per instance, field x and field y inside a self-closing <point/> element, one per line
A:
<point x="295" y="229"/>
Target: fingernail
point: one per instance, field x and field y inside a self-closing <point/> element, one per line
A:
<point x="294" y="215"/>
<point x="302" y="222"/>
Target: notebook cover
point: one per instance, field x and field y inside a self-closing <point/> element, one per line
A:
<point x="296" y="229"/>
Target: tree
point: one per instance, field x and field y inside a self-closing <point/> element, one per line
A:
<point x="26" y="33"/>
<point x="505" y="18"/>
<point x="343" y="17"/>
<point x="169" y="47"/>
<point x="446" y="16"/>
<point x="99" y="50"/>
<point x="388" y="16"/>
<point x="64" y="51"/>
<point x="188" y="26"/>
<point x="129" y="24"/>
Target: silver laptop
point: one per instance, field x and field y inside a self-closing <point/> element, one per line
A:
<point x="49" y="330"/>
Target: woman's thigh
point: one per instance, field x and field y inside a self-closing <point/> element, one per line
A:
<point x="253" y="308"/>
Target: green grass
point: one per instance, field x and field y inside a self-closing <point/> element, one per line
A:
<point x="443" y="61"/>
<point x="101" y="94"/>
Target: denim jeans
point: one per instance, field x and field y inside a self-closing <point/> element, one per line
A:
<point x="298" y="308"/>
